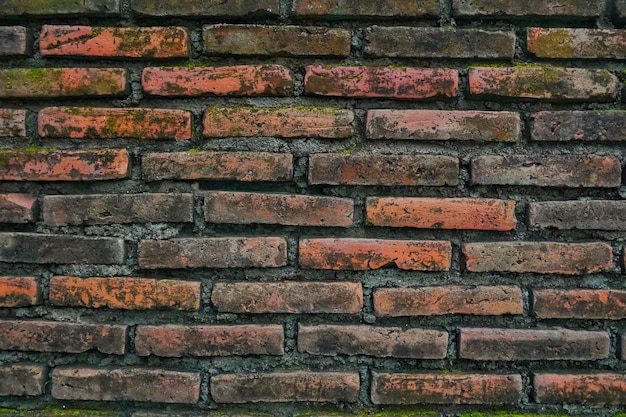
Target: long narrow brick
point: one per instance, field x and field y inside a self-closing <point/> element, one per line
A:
<point x="114" y="42"/>
<point x="12" y="122"/>
<point x="22" y="380"/>
<point x="112" y="123"/>
<point x="579" y="304"/>
<point x="61" y="249"/>
<point x="275" y="40"/>
<point x="436" y="301"/>
<point x="231" y="81"/>
<point x="12" y="40"/>
<point x="523" y="8"/>
<point x="577" y="43"/>
<point x="328" y="387"/>
<point x="49" y="336"/>
<point x="235" y="252"/>
<point x="125" y="293"/>
<point x="288" y="297"/>
<point x="591" y="389"/>
<point x="61" y="165"/>
<point x="582" y="215"/>
<point x="126" y="384"/>
<point x="95" y="8"/>
<point x="394" y="342"/>
<point x="19" y="291"/>
<point x="391" y="170"/>
<point x="446" y="389"/>
<point x="285" y="209"/>
<point x="348" y="9"/>
<point x="293" y="122"/>
<point x="579" y="126"/>
<point x="384" y="82"/>
<point x="538" y="257"/>
<point x="443" y="125"/>
<point x="573" y="171"/>
<point x="426" y="42"/>
<point x="364" y="254"/>
<point x="16" y="208"/>
<point x="232" y="166"/>
<point x="177" y="341"/>
<point x="195" y="8"/>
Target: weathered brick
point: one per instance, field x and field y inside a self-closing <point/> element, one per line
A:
<point x="16" y="208"/>
<point x="577" y="43"/>
<point x="288" y="297"/>
<point x="394" y="342"/>
<point x="545" y="83"/>
<point x="61" y="210"/>
<point x="328" y="387"/>
<point x="96" y="8"/>
<point x="443" y="125"/>
<point x="386" y="82"/>
<point x="573" y="171"/>
<point x="523" y="8"/>
<point x="62" y="82"/>
<point x="260" y="40"/>
<point x="579" y="126"/>
<point x="195" y="8"/>
<point x="61" y="249"/>
<point x="539" y="257"/>
<point x="12" y="122"/>
<point x="442" y="213"/>
<point x="232" y="166"/>
<point x="114" y="42"/>
<point x="308" y="122"/>
<point x="235" y="252"/>
<point x="232" y="81"/>
<point x="579" y="304"/>
<point x="125" y="293"/>
<point x="620" y="5"/>
<point x="582" y="215"/>
<point x="48" y="336"/>
<point x="592" y="389"/>
<point x="112" y="123"/>
<point x="348" y="9"/>
<point x="263" y="208"/>
<point x="364" y="254"/>
<point x="12" y="40"/>
<point x="22" y="380"/>
<point x="427" y="42"/>
<point x="483" y="344"/>
<point x="177" y="341"/>
<point x="19" y="291"/>
<point x="376" y="169"/>
<point x="446" y="389"/>
<point x="435" y="301"/>
<point x="56" y="411"/>
<point x="126" y="384"/>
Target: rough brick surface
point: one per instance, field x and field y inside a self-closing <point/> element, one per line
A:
<point x="194" y="8"/>
<point x="365" y="8"/>
<point x="579" y="126"/>
<point x="521" y="8"/>
<point x="579" y="304"/>
<point x="12" y="122"/>
<point x="19" y="291"/>
<point x="12" y="40"/>
<point x="63" y="7"/>
<point x="16" y="208"/>
<point x="577" y="43"/>
<point x="592" y="389"/>
<point x="22" y="380"/>
<point x="582" y="215"/>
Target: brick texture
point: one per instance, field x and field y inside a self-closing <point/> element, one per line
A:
<point x="193" y="8"/>
<point x="476" y="8"/>
<point x="65" y="7"/>
<point x="579" y="126"/>
<point x="22" y="380"/>
<point x="592" y="389"/>
<point x="579" y="304"/>
<point x="19" y="291"/>
<point x="327" y="9"/>
<point x="583" y="215"/>
<point x="577" y="43"/>
<point x="12" y="122"/>
<point x="13" y="40"/>
<point x="16" y="208"/>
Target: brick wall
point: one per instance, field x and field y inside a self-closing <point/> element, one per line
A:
<point x="389" y="207"/>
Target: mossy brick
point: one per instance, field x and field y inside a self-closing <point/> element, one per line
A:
<point x="19" y="292"/>
<point x="202" y="8"/>
<point x="585" y="126"/>
<point x="13" y="40"/>
<point x="524" y="8"/>
<point x="567" y="43"/>
<point x="17" y="208"/>
<point x="21" y="379"/>
<point x="60" y="7"/>
<point x="12" y="122"/>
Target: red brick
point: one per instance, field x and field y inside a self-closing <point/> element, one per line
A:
<point x="125" y="293"/>
<point x="428" y="42"/>
<point x="482" y="344"/>
<point x="195" y="8"/>
<point x="577" y="43"/>
<point x="443" y="125"/>
<point x="12" y="40"/>
<point x="16" y="208"/>
<point x="308" y="122"/>
<point x="62" y="165"/>
<point x="19" y="291"/>
<point x="288" y="297"/>
<point x="275" y="40"/>
<point x="48" y="336"/>
<point x="446" y="389"/>
<point x="293" y="210"/>
<point x="539" y="257"/>
<point x="376" y="169"/>
<point x="233" y="81"/>
<point x="227" y="252"/>
<point x="61" y="249"/>
<point x="436" y="301"/>
<point x="62" y="82"/>
<point x="592" y="389"/>
<point x="232" y="166"/>
<point x="440" y="213"/>
<point x="114" y="42"/>
<point x="12" y="122"/>
<point x="583" y="215"/>
<point x="95" y="8"/>
<point x="372" y="82"/>
<point x="394" y="342"/>
<point x="579" y="126"/>
<point x="579" y="304"/>
<point x="126" y="384"/>
<point x="328" y="387"/>
<point x="61" y="210"/>
<point x="348" y="9"/>
<point x="524" y="8"/>
<point x="22" y="380"/>
<point x="364" y="254"/>
<point x="92" y="122"/>
<point x="177" y="341"/>
<point x="573" y="171"/>
<point x="545" y="83"/>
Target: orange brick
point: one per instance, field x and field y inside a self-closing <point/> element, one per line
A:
<point x="579" y="304"/>
<point x="592" y="389"/>
<point x="19" y="291"/>
<point x="16" y="208"/>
